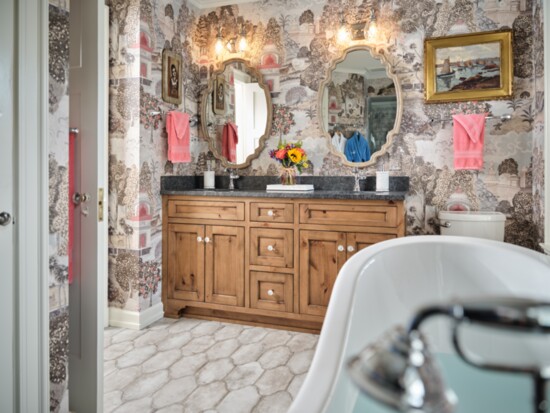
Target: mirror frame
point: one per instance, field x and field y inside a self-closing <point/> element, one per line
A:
<point x="398" y="95"/>
<point x="204" y="103"/>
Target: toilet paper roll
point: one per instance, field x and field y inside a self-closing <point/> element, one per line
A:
<point x="382" y="181"/>
<point x="209" y="179"/>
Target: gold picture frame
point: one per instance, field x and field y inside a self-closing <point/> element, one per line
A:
<point x="218" y="103"/>
<point x="466" y="67"/>
<point x="171" y="77"/>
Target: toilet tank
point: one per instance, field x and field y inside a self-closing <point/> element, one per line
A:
<point x="479" y="224"/>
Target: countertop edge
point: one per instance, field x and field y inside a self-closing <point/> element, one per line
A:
<point x="319" y="194"/>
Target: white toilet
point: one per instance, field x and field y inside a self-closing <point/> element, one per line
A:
<point x="479" y="224"/>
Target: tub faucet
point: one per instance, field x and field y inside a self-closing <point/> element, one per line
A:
<point x="232" y="177"/>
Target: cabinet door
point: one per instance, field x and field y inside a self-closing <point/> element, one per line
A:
<point x="272" y="247"/>
<point x="358" y="241"/>
<point x="224" y="262"/>
<point x="186" y="262"/>
<point x="322" y="254"/>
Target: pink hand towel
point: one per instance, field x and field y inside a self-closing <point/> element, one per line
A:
<point x="230" y="139"/>
<point x="469" y="135"/>
<point x="177" y="127"/>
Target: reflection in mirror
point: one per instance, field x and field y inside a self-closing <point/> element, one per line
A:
<point x="360" y="107"/>
<point x="236" y="113"/>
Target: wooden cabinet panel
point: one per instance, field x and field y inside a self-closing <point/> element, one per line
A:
<point x="272" y="247"/>
<point x="271" y="291"/>
<point x="185" y="262"/>
<point x="206" y="210"/>
<point x="322" y="254"/>
<point x="224" y="265"/>
<point x="271" y="212"/>
<point x="358" y="241"/>
<point x="364" y="215"/>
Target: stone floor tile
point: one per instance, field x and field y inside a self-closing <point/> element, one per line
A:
<point x="116" y="350"/>
<point x="111" y="401"/>
<point x="276" y="403"/>
<point x="111" y="331"/>
<point x="175" y="408"/>
<point x="188" y="365"/>
<point x="252" y="335"/>
<point x="109" y="367"/>
<point x="184" y="324"/>
<point x="198" y="345"/>
<point x="145" y="385"/>
<point x="141" y="405"/>
<point x="161" y="360"/>
<point x="127" y="335"/>
<point x="206" y="328"/>
<point x="162" y="324"/>
<point x="274" y="357"/>
<point x="247" y="353"/>
<point x="136" y="356"/>
<point x="241" y="401"/>
<point x="151" y="337"/>
<point x="228" y="331"/>
<point x="175" y="341"/>
<point x="301" y="342"/>
<point x="119" y="379"/>
<point x="296" y="384"/>
<point x="205" y="397"/>
<point x="214" y="371"/>
<point x="275" y="338"/>
<point x="299" y="363"/>
<point x="222" y="349"/>
<point x="273" y="381"/>
<point x="243" y="376"/>
<point x="175" y="391"/>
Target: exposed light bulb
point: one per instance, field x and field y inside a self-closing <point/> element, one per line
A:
<point x="242" y="44"/>
<point x="373" y="31"/>
<point x="343" y="33"/>
<point x="219" y="46"/>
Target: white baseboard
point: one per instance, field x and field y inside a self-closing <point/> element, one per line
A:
<point x="133" y="319"/>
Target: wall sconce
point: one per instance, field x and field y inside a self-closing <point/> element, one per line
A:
<point x="235" y="44"/>
<point x="371" y="28"/>
<point x="343" y="32"/>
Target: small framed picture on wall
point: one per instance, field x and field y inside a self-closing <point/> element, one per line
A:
<point x="171" y="77"/>
<point x="218" y="102"/>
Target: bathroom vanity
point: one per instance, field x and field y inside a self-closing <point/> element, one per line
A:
<point x="266" y="258"/>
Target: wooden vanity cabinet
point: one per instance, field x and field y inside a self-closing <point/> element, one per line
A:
<point x="264" y="261"/>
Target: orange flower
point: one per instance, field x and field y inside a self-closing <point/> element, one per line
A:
<point x="280" y="154"/>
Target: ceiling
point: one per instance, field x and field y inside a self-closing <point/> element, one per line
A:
<point x="208" y="4"/>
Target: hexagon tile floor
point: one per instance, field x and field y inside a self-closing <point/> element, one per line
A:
<point x="194" y="366"/>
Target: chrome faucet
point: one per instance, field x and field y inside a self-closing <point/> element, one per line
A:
<point x="232" y="177"/>
<point x="356" y="187"/>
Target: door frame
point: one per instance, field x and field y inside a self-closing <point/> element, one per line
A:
<point x="546" y="200"/>
<point x="32" y="206"/>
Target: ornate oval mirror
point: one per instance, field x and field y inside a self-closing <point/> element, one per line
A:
<point x="360" y="106"/>
<point x="236" y="113"/>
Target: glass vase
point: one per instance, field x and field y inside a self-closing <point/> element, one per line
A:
<point x="288" y="175"/>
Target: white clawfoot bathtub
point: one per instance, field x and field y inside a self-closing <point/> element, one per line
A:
<point x="383" y="285"/>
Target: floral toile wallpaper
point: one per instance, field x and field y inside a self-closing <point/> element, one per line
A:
<point x="292" y="43"/>
<point x="59" y="202"/>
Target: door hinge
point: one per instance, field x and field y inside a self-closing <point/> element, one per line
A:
<point x="100" y="194"/>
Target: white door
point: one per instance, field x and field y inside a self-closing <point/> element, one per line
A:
<point x="88" y="107"/>
<point x="255" y="97"/>
<point x="7" y="240"/>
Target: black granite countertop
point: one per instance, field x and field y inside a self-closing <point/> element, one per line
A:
<point x="333" y="187"/>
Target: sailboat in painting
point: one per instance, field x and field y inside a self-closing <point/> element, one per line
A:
<point x="446" y="71"/>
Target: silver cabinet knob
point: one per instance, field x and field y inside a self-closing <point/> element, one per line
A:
<point x="350" y="248"/>
<point x="270" y="213"/>
<point x="206" y="240"/>
<point x="341" y="248"/>
<point x="5" y="219"/>
<point x="79" y="198"/>
<point x="199" y="239"/>
<point x="270" y="248"/>
<point x="270" y="292"/>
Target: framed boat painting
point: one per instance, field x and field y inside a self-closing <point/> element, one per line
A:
<point x="476" y="66"/>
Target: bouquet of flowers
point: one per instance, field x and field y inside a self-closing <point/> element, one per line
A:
<point x="291" y="156"/>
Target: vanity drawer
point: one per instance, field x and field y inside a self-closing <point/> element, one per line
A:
<point x="271" y="291"/>
<point x="272" y="247"/>
<point x="335" y="214"/>
<point x="178" y="208"/>
<point x="271" y="212"/>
